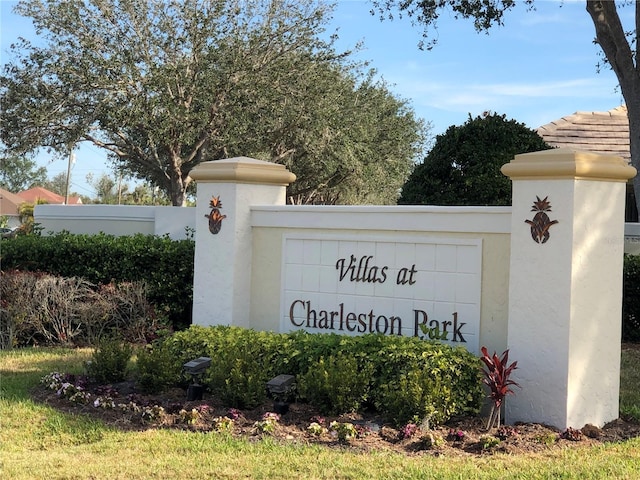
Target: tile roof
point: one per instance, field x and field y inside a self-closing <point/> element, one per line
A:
<point x="598" y="132"/>
<point x="9" y="202"/>
<point x="38" y="193"/>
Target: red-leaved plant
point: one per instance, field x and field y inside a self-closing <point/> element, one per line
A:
<point x="496" y="377"/>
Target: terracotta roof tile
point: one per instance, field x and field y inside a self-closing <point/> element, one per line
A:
<point x="9" y="202"/>
<point x="598" y="132"/>
<point x="39" y="193"/>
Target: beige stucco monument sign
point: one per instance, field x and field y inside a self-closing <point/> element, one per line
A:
<point x="543" y="278"/>
<point x="395" y="286"/>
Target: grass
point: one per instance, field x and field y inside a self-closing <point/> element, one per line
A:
<point x="630" y="383"/>
<point x="37" y="442"/>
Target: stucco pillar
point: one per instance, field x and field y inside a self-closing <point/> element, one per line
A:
<point x="565" y="293"/>
<point x="222" y="274"/>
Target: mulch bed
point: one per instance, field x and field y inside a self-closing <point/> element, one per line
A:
<point x="462" y="436"/>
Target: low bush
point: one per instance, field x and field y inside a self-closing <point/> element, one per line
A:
<point x="38" y="308"/>
<point x="631" y="299"/>
<point x="238" y="377"/>
<point x="242" y="360"/>
<point x="403" y="378"/>
<point x="306" y="350"/>
<point x="336" y="385"/>
<point x="165" y="265"/>
<point x="415" y="396"/>
<point x="156" y="368"/>
<point x="110" y="360"/>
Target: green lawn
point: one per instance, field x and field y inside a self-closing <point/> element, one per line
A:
<point x="37" y="442"/>
<point x="630" y="382"/>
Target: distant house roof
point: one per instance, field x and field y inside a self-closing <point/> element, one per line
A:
<point x="598" y="132"/>
<point x="38" y="193"/>
<point x="9" y="203"/>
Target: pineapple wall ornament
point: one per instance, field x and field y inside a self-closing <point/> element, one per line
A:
<point x="541" y="222"/>
<point x="215" y="217"/>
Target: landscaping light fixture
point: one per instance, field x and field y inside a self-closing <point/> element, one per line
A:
<point x="281" y="390"/>
<point x="195" y="368"/>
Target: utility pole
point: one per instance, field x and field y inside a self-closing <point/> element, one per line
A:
<point x="71" y="161"/>
<point x="119" y="187"/>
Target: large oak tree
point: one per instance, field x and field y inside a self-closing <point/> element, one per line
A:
<point x="165" y="85"/>
<point x="619" y="44"/>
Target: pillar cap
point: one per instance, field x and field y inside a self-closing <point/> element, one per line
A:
<point x="564" y="163"/>
<point x="242" y="170"/>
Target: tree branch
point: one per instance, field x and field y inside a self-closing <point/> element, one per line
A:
<point x="611" y="38"/>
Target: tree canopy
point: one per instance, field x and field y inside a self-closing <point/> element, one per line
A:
<point x="463" y="168"/>
<point x="619" y="43"/>
<point x="115" y="191"/>
<point x="57" y="184"/>
<point x="358" y="147"/>
<point x="20" y="173"/>
<point x="163" y="86"/>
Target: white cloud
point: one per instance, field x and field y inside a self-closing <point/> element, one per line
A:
<point x="563" y="88"/>
<point x="534" y="19"/>
<point x="454" y="94"/>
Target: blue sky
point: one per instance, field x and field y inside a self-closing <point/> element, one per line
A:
<point x="541" y="66"/>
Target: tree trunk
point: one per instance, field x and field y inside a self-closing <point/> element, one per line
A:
<point x="633" y="111"/>
<point x="178" y="197"/>
<point x="177" y="185"/>
<point x="611" y="37"/>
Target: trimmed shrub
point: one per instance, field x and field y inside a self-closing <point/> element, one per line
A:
<point x="403" y="378"/>
<point x="336" y="385"/>
<point x="197" y="341"/>
<point x="416" y="380"/>
<point x="305" y="350"/>
<point x="242" y="360"/>
<point x="156" y="368"/>
<point x="631" y="299"/>
<point x="238" y="376"/>
<point x="415" y="396"/>
<point x="110" y="360"/>
<point x="165" y="265"/>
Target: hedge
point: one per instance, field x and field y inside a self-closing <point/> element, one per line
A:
<point x="404" y="378"/>
<point x="165" y="265"/>
<point x="631" y="299"/>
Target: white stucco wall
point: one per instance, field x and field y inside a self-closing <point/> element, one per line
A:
<point x="174" y="221"/>
<point x="116" y="220"/>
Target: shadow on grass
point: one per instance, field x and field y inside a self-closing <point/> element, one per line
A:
<point x="23" y="368"/>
